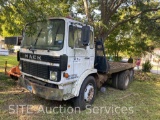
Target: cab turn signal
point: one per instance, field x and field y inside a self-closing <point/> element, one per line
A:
<point x="65" y="75"/>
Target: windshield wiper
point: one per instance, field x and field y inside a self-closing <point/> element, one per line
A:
<point x="37" y="37"/>
<point x="31" y="48"/>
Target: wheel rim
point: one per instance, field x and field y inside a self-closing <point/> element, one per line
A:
<point x="131" y="73"/>
<point x="127" y="81"/>
<point x="89" y="93"/>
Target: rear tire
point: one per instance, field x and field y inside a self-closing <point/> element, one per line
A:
<point x="131" y="74"/>
<point x="87" y="94"/>
<point x="115" y="80"/>
<point x="124" y="79"/>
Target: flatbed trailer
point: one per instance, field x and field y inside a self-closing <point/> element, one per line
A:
<point x="119" y="73"/>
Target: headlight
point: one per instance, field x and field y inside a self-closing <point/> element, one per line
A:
<point x="53" y="75"/>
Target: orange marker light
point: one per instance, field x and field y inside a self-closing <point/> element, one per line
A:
<point x="65" y="75"/>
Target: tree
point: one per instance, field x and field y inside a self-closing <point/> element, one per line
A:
<point x="123" y="24"/>
<point x="15" y="14"/>
<point x="126" y="25"/>
<point x="111" y="9"/>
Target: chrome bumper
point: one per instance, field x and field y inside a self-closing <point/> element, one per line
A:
<point x="42" y="91"/>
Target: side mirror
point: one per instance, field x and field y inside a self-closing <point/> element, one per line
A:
<point x="85" y="35"/>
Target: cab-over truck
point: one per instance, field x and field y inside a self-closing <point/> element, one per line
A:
<point x="59" y="60"/>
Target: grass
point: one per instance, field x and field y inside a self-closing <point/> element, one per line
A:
<point x="11" y="61"/>
<point x="140" y="101"/>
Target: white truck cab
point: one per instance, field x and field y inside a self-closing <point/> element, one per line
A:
<point x="53" y="60"/>
<point x="59" y="61"/>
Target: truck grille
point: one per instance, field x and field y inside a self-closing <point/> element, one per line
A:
<point x="38" y="70"/>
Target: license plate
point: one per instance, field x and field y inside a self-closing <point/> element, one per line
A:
<point x="29" y="88"/>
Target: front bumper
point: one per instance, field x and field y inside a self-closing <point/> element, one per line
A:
<point x="42" y="91"/>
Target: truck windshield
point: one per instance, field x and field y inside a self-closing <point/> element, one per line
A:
<point x="45" y="35"/>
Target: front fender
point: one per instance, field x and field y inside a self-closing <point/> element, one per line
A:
<point x="77" y="85"/>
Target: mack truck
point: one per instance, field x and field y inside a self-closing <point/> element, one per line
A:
<point x="60" y="60"/>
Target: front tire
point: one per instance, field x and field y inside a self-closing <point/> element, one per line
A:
<point x="87" y="94"/>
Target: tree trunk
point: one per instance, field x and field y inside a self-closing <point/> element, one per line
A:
<point x="87" y="12"/>
<point x="117" y="55"/>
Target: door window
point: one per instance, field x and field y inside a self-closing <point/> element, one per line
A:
<point x="75" y="38"/>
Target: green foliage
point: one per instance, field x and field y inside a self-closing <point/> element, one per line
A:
<point x="147" y="66"/>
<point x="137" y="35"/>
<point x="127" y="27"/>
<point x="15" y="14"/>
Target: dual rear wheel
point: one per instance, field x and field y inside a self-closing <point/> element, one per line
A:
<point x="121" y="80"/>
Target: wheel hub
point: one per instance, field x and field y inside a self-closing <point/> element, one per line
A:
<point x="127" y="81"/>
<point x="89" y="93"/>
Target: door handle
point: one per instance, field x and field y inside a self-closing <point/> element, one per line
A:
<point x="87" y="58"/>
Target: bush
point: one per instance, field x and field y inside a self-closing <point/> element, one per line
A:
<point x="147" y="66"/>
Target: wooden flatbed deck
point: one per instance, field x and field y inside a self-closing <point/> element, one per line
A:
<point x="119" y="66"/>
